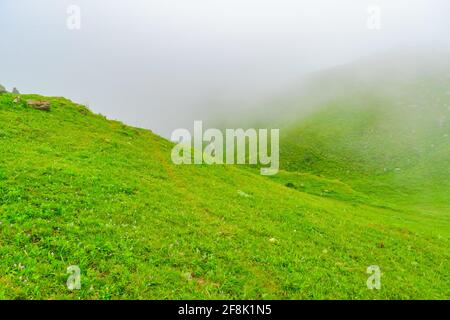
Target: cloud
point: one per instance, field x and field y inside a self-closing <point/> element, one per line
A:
<point x="161" y="64"/>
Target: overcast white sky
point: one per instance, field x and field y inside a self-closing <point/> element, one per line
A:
<point x="160" y="64"/>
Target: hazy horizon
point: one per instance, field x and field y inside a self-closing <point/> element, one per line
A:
<point x="162" y="64"/>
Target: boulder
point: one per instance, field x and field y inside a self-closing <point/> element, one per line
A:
<point x="15" y="91"/>
<point x="39" y="105"/>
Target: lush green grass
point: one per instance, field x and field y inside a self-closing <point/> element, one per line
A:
<point x="77" y="189"/>
<point x="375" y="146"/>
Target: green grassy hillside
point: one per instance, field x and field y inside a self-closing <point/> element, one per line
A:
<point x="78" y="189"/>
<point x="381" y="148"/>
<point x="380" y="126"/>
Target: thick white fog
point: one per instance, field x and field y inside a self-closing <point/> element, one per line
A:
<point x="161" y="64"/>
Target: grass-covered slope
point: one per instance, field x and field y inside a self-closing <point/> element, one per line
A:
<point x="381" y="126"/>
<point x="381" y="148"/>
<point x="77" y="189"/>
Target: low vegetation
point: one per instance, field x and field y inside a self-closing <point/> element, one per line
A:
<point x="78" y="189"/>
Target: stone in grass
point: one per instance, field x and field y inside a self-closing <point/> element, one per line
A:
<point x="188" y="276"/>
<point x="15" y="91"/>
<point x="39" y="105"/>
<point x="243" y="194"/>
<point x="290" y="185"/>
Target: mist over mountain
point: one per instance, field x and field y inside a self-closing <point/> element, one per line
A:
<point x="380" y="124"/>
<point x="395" y="74"/>
<point x="162" y="64"/>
